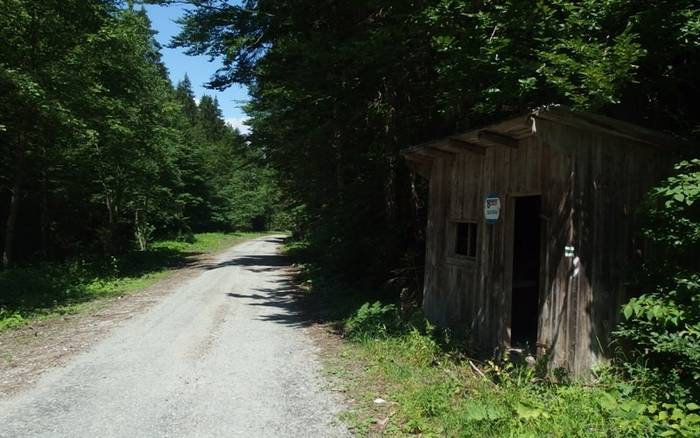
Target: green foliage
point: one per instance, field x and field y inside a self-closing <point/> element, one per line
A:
<point x="652" y="419"/>
<point x="530" y="53"/>
<point x="97" y="141"/>
<point x="661" y="327"/>
<point x="433" y="390"/>
<point x="55" y="288"/>
<point x="373" y="320"/>
<point x="339" y="88"/>
<point x="59" y="288"/>
<point x="203" y="242"/>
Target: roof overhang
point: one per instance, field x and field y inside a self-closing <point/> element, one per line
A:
<point x="509" y="132"/>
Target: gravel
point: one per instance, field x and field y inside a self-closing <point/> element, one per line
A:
<point x="223" y="355"/>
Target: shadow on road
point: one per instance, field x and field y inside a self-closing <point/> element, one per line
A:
<point x="287" y="301"/>
<point x="291" y="301"/>
<point x="256" y="263"/>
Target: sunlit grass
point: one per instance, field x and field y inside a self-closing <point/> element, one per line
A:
<point x="403" y="376"/>
<point x="49" y="289"/>
<point x="427" y="386"/>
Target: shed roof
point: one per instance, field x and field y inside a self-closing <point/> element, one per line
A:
<point x="510" y="131"/>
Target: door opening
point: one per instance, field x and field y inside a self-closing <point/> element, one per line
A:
<point x="526" y="273"/>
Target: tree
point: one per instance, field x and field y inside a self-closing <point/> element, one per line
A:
<point x="95" y="138"/>
<point x="339" y="88"/>
<point x="39" y="37"/>
<point x="129" y="110"/>
<point x="185" y="95"/>
<point x="336" y="92"/>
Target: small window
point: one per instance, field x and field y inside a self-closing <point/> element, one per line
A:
<point x="465" y="239"/>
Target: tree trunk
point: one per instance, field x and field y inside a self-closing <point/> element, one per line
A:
<point x="140" y="231"/>
<point x="44" y="212"/>
<point x="109" y="242"/>
<point x="11" y="225"/>
<point x="390" y="192"/>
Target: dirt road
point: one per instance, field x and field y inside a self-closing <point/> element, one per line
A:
<point x="223" y="355"/>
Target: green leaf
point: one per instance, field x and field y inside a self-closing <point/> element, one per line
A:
<point x="608" y="401"/>
<point x="627" y="311"/>
<point x="526" y="412"/>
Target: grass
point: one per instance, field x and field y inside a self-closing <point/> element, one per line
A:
<point x="429" y="386"/>
<point x="204" y="242"/>
<point x="433" y="393"/>
<point x="47" y="290"/>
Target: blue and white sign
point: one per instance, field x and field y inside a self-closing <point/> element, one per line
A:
<point x="492" y="208"/>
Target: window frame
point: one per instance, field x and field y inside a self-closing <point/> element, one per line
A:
<point x="472" y="245"/>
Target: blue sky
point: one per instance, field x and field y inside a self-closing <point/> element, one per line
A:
<point x="198" y="68"/>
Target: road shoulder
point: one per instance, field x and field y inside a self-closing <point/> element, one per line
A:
<point x="28" y="352"/>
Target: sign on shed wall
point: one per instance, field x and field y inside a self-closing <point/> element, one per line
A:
<point x="492" y="208"/>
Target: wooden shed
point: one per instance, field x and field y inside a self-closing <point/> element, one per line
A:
<point x="530" y="230"/>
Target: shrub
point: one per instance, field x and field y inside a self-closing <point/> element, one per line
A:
<point x="374" y="320"/>
<point x="660" y="334"/>
<point x="433" y="390"/>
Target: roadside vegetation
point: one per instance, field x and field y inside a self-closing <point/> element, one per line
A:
<point x="49" y="289"/>
<point x="408" y="377"/>
<point x="402" y="376"/>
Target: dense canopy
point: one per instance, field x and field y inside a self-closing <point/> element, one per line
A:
<point x="98" y="151"/>
<point x="338" y="88"/>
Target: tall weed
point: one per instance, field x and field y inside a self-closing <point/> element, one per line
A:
<point x="433" y="390"/>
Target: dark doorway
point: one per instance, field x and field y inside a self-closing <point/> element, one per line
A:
<point x="526" y="273"/>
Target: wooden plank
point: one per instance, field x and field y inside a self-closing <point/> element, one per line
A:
<point x="467" y="146"/>
<point x="557" y="200"/>
<point x="472" y="187"/>
<point x="612" y="127"/>
<point x="435" y="153"/>
<point x="498" y="138"/>
<point x="458" y="183"/>
<point x="450" y="147"/>
<point x="430" y="298"/>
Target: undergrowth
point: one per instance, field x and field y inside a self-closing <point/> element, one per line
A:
<point x="56" y="288"/>
<point x="431" y="388"/>
<point x="404" y="377"/>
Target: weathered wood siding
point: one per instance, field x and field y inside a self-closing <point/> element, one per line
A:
<point x="437" y="301"/>
<point x="594" y="183"/>
<point x="590" y="184"/>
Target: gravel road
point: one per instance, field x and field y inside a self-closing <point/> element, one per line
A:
<point x="222" y="355"/>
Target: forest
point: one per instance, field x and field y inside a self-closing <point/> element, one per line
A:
<point x="101" y="154"/>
